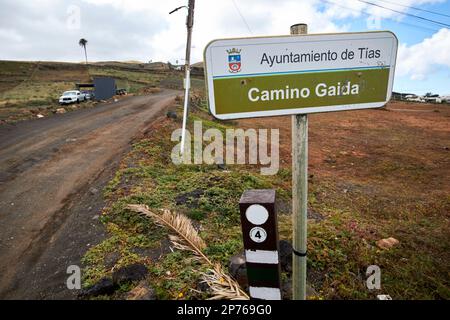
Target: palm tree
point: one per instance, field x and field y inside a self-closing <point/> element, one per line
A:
<point x="83" y="42"/>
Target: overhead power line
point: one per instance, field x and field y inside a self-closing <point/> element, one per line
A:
<point x="406" y="14"/>
<point x="242" y="17"/>
<point x="393" y="20"/>
<point x="415" y="8"/>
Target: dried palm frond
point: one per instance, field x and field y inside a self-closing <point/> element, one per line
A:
<point x="187" y="239"/>
<point x="181" y="225"/>
<point x="222" y="285"/>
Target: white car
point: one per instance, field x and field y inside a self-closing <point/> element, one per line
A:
<point x="416" y="99"/>
<point x="446" y="99"/>
<point x="433" y="99"/>
<point x="73" y="96"/>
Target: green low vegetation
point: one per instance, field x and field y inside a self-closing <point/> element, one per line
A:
<point x="347" y="218"/>
<point x="396" y="194"/>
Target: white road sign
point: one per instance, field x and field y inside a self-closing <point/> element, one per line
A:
<point x="270" y="76"/>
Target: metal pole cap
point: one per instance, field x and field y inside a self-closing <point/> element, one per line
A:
<point x="299" y="28"/>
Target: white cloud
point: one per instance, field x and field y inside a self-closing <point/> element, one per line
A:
<point x="144" y="30"/>
<point x="10" y="35"/>
<point x="420" y="60"/>
<point x="220" y="19"/>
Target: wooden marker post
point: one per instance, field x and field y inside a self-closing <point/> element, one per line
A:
<point x="299" y="194"/>
<point x="260" y="233"/>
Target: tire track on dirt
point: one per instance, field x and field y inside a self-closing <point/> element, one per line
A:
<point x="34" y="201"/>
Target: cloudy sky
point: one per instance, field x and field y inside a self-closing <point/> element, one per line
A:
<point x="143" y="30"/>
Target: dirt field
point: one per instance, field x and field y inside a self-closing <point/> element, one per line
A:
<point x="390" y="170"/>
<point x="405" y="145"/>
<point x="374" y="174"/>
<point x="52" y="173"/>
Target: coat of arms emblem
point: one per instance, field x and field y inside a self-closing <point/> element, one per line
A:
<point x="234" y="60"/>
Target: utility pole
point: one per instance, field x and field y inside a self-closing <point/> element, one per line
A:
<point x="187" y="67"/>
<point x="299" y="194"/>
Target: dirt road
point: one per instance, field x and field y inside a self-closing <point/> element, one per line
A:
<point x="51" y="175"/>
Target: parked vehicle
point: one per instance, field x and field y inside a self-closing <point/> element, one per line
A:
<point x="434" y="99"/>
<point x="73" y="96"/>
<point x="121" y="92"/>
<point x="414" y="98"/>
<point x="446" y="99"/>
<point x="88" y="94"/>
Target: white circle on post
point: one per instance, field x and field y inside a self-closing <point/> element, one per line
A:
<point x="258" y="234"/>
<point x="257" y="214"/>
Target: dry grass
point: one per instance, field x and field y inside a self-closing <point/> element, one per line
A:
<point x="187" y="239"/>
<point x="374" y="174"/>
<point x="29" y="88"/>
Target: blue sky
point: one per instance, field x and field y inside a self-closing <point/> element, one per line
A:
<point x="143" y="30"/>
<point x="411" y="31"/>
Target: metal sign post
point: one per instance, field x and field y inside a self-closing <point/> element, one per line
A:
<point x="299" y="195"/>
<point x="296" y="75"/>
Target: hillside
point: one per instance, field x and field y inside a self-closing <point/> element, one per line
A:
<point x="373" y="174"/>
<point x="29" y="88"/>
